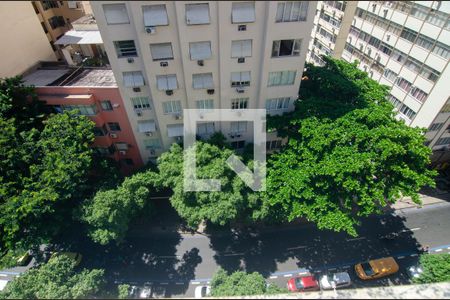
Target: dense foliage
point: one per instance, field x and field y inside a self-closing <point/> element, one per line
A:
<point x="436" y="268"/>
<point x="57" y="279"/>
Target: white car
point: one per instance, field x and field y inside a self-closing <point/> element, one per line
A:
<point x="202" y="291"/>
<point x="335" y="281"/>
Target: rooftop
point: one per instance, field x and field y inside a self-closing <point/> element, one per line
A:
<point x="66" y="76"/>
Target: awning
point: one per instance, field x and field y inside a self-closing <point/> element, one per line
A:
<point x="80" y="37"/>
<point x="146" y="126"/>
<point x="175" y="130"/>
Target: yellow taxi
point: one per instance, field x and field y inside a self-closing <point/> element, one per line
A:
<point x="376" y="268"/>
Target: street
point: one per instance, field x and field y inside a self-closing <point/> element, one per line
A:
<point x="174" y="264"/>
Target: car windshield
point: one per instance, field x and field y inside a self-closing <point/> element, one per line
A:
<point x="367" y="269"/>
<point x="298" y="283"/>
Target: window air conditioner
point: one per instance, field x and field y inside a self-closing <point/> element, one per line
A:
<point x="122" y="152"/>
<point x="113" y="135"/>
<point x="241" y="60"/>
<point x="136" y="89"/>
<point x="169" y="92"/>
<point x="242" y="27"/>
<point x="178" y="116"/>
<point x="138" y="112"/>
<point x="200" y="63"/>
<point x="149" y="133"/>
<point x="130" y="60"/>
<point x="164" y="64"/>
<point x="240" y="89"/>
<point x="150" y="29"/>
<point x="210" y="91"/>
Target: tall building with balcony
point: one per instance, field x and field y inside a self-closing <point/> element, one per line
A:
<point x="173" y="55"/>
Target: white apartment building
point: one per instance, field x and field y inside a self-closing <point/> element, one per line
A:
<point x="406" y="46"/>
<point x="172" y="55"/>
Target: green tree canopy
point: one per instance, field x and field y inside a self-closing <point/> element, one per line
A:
<point x="436" y="268"/>
<point x="57" y="279"/>
<point x="241" y="284"/>
<point x="348" y="156"/>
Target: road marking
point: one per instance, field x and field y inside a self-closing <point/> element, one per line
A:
<point x="273" y="277"/>
<point x="332" y="269"/>
<point x="195" y="282"/>
<point x="173" y="256"/>
<point x="414" y="254"/>
<point x="164" y="283"/>
<point x="302" y="273"/>
<point x="179" y="283"/>
<point x="356" y="239"/>
<point x="438" y="250"/>
<point x="400" y="257"/>
<point x="287" y="275"/>
<point x="298" y="247"/>
<point x="414" y="229"/>
<point x="233" y="254"/>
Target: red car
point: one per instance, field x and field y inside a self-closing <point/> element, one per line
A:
<point x="303" y="283"/>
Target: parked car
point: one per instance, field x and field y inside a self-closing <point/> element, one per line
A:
<point x="303" y="283"/>
<point x="73" y="255"/>
<point x="376" y="268"/>
<point x="336" y="280"/>
<point x="415" y="271"/>
<point x="202" y="291"/>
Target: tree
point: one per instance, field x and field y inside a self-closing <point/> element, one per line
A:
<point x="109" y="213"/>
<point x="241" y="284"/>
<point x="56" y="279"/>
<point x="235" y="201"/>
<point x="436" y="268"/>
<point x="348" y="156"/>
<point x="123" y="291"/>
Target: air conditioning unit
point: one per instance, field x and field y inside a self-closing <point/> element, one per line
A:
<point x="241" y="60"/>
<point x="152" y="152"/>
<point x="169" y="92"/>
<point x="130" y="60"/>
<point x="150" y="29"/>
<point x="200" y="63"/>
<point x="242" y="27"/>
<point x="178" y="117"/>
<point x="113" y="135"/>
<point x="122" y="152"/>
<point x="210" y="91"/>
<point x="164" y="64"/>
<point x="149" y="133"/>
<point x="138" y="112"/>
<point x="240" y="89"/>
<point x="136" y="89"/>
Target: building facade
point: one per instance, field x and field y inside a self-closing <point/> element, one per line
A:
<point x="172" y="55"/>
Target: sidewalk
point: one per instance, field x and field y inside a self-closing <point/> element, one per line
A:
<point x="437" y="196"/>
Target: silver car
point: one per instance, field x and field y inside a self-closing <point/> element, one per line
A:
<point x="335" y="281"/>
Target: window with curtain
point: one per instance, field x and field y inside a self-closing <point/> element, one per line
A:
<point x="281" y="78"/>
<point x="418" y="94"/>
<point x="286" y="48"/>
<point x="125" y="48"/>
<point x="155" y="15"/>
<point x="205" y="104"/>
<point x="116" y="14"/>
<point x="243" y="12"/>
<point x="242" y="48"/>
<point x="404" y="109"/>
<point x="172" y="107"/>
<point x="133" y="79"/>
<point x="403" y="84"/>
<point x="277" y="103"/>
<point x="200" y="50"/>
<point x="292" y="11"/>
<point x="202" y="81"/>
<point x="146" y="126"/>
<point x="390" y="75"/>
<point x="239" y="126"/>
<point x="161" y="51"/>
<point x="240" y="79"/>
<point x="166" y="82"/>
<point x="205" y="128"/>
<point x="141" y="102"/>
<point x="152" y="144"/>
<point x="197" y="13"/>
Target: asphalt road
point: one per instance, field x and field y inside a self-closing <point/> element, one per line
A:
<point x="174" y="264"/>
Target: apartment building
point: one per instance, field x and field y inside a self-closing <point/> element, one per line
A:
<point x="94" y="92"/>
<point x="172" y="55"/>
<point x="406" y="46"/>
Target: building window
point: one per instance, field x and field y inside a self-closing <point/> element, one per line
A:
<point x="286" y="48"/>
<point x="394" y="101"/>
<point x="133" y="79"/>
<point x="407" y="111"/>
<point x="116" y="14"/>
<point x="166" y="82"/>
<point x="292" y="11"/>
<point x="125" y="48"/>
<point x="86" y="110"/>
<point x="100" y="131"/>
<point x="419" y="12"/>
<point x="238" y="144"/>
<point x="102" y="151"/>
<point x="437" y="18"/>
<point x="152" y="144"/>
<point x="435" y="126"/>
<point x="442" y="141"/>
<point x="277" y="103"/>
<point x="390" y="75"/>
<point x="205" y="128"/>
<point x="408" y="35"/>
<point x="403" y="84"/>
<point x="121" y="146"/>
<point x="172" y="107"/>
<point x="398" y="56"/>
<point x="241" y="48"/>
<point x="161" y="51"/>
<point x="240" y="79"/>
<point x="429" y="73"/>
<point x="239" y="103"/>
<point x="72" y="4"/>
<point x="413" y="64"/>
<point x="238" y="127"/>
<point x="205" y="104"/>
<point x="175" y="130"/>
<point x="155" y="15"/>
<point x="281" y="78"/>
<point x="114" y="126"/>
<point x="106" y="105"/>
<point x="418" y="94"/>
<point x="200" y="50"/>
<point x="127" y="161"/>
<point x="243" y="12"/>
<point x="49" y="4"/>
<point x="441" y="50"/>
<point x="141" y="102"/>
<point x="146" y="126"/>
<point x="273" y="145"/>
<point x="202" y="81"/>
<point x="197" y="14"/>
<point x="56" y="21"/>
